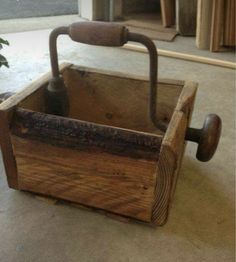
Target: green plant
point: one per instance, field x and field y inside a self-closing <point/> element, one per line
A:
<point x="3" y="60"/>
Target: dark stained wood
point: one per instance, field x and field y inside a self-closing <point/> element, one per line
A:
<point x="217" y="25"/>
<point x="7" y="151"/>
<point x="186" y="17"/>
<point x="81" y="135"/>
<point x="229" y="23"/>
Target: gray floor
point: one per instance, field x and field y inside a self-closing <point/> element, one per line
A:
<point x="201" y="222"/>
<point x="32" y="8"/>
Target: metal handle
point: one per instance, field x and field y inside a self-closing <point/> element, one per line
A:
<point x="107" y="34"/>
<point x="207" y="137"/>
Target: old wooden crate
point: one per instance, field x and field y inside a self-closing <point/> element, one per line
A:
<point x="106" y="153"/>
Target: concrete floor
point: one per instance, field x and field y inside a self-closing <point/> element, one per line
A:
<point x="201" y="222"/>
<point x="33" y="8"/>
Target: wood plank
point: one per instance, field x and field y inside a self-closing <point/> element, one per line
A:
<point x="149" y="24"/>
<point x="216" y="25"/>
<point x="118" y="184"/>
<point x="229" y="23"/>
<point x="81" y="135"/>
<point x="183" y="56"/>
<point x="7" y="151"/>
<point x="186" y="17"/>
<point x="172" y="151"/>
<point x="168" y="167"/>
<point x="168" y="12"/>
<point x="187" y="98"/>
<point x="204" y="17"/>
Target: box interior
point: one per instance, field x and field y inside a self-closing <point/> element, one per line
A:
<point x="113" y="100"/>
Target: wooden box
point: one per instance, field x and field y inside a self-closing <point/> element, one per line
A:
<point x="107" y="154"/>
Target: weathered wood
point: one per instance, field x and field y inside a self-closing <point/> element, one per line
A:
<point x="216" y="25"/>
<point x="187" y="97"/>
<point x="186" y="17"/>
<point x="117" y="101"/>
<point x="204" y="16"/>
<point x="171" y="154"/>
<point x="7" y="151"/>
<point x="229" y="37"/>
<point x="122" y="185"/>
<point x="81" y="135"/>
<point x="168" y="12"/>
<point x="106" y="154"/>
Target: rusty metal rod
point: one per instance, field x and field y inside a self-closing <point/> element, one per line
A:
<point x="53" y="48"/>
<point x="153" y="68"/>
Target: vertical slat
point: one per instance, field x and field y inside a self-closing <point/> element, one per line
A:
<point x="230" y="26"/>
<point x="7" y="151"/>
<point x="186" y="12"/>
<point x="216" y="25"/>
<point x="168" y="12"/>
<point x="204" y="12"/>
<point x="233" y="30"/>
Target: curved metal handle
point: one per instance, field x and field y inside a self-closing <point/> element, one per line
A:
<point x="207" y="137"/>
<point x="108" y="34"/>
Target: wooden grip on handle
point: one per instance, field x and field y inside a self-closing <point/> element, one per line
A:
<point x="98" y="33"/>
<point x="207" y="137"/>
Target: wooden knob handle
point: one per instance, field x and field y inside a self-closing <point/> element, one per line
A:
<point x="207" y="138"/>
<point x="98" y="33"/>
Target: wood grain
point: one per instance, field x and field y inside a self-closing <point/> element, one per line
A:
<point x="216" y="25"/>
<point x="117" y="101"/>
<point x="106" y="154"/>
<point x="229" y="37"/>
<point x="168" y="12"/>
<point x="186" y="17"/>
<point x="119" y="184"/>
<point x="81" y="135"/>
<point x="204" y="16"/>
<point x="168" y="167"/>
<point x="172" y="151"/>
<point x="7" y="151"/>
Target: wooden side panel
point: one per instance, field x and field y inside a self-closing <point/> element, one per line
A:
<point x="7" y="151"/>
<point x="167" y="169"/>
<point x="204" y="14"/>
<point x="118" y="184"/>
<point x="172" y="151"/>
